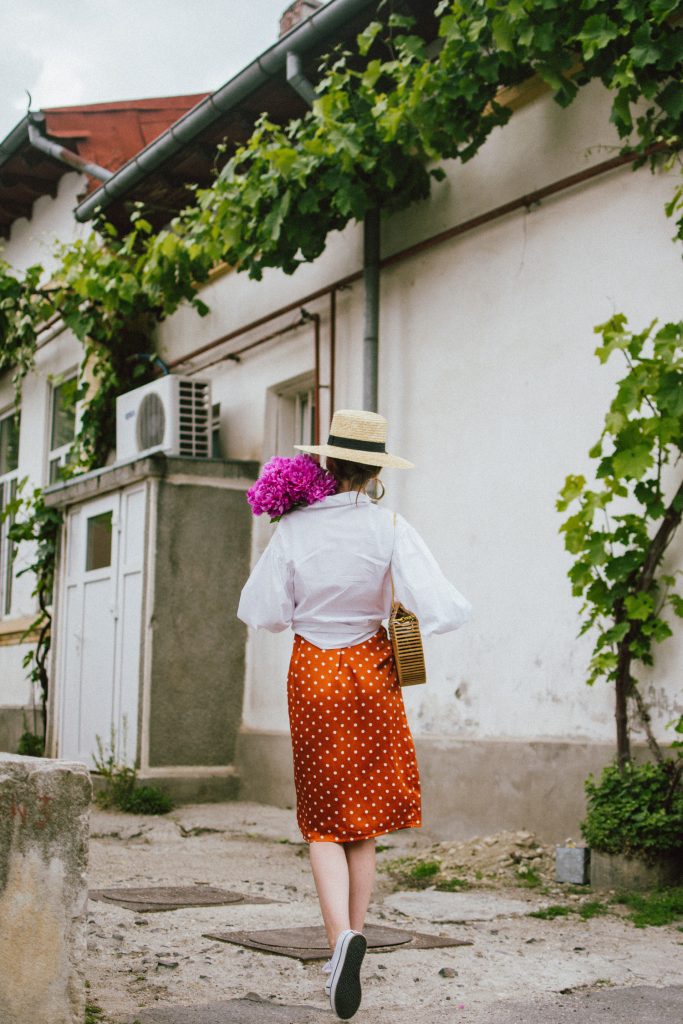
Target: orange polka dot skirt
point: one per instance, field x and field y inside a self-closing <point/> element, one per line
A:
<point x="355" y="769"/>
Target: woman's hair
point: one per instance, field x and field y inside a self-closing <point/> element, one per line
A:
<point x="356" y="474"/>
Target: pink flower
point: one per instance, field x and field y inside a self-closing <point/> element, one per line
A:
<point x="287" y="483"/>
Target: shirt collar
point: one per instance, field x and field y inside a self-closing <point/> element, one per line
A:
<point x="341" y="500"/>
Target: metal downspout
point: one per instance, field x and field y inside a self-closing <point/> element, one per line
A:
<point x="297" y="79"/>
<point x="371" y="239"/>
<point x="65" y="156"/>
<point x="371" y="248"/>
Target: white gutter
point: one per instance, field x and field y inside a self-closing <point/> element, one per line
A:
<point x="65" y="156"/>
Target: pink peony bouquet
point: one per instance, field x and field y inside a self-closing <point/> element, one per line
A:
<point x="287" y="483"/>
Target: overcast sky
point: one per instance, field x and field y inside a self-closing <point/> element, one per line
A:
<point x="67" y="52"/>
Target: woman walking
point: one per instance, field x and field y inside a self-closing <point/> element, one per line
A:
<point x="327" y="573"/>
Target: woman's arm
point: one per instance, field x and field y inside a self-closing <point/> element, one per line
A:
<point x="267" y="599"/>
<point x="421" y="586"/>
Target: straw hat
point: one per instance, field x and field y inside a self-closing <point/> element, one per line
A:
<point x="359" y="437"/>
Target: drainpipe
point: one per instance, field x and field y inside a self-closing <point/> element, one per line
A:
<point x="65" y="156"/>
<point x="371" y="239"/>
<point x="371" y="236"/>
<point x="297" y="79"/>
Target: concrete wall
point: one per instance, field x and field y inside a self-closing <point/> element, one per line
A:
<point x="44" y="808"/>
<point x="197" y="673"/>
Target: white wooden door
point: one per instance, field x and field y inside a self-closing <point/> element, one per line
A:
<point x="129" y="591"/>
<point x="98" y="676"/>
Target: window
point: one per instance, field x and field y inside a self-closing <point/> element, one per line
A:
<point x="9" y="462"/>
<point x="290" y="415"/>
<point x="98" y="541"/>
<point x="62" y="426"/>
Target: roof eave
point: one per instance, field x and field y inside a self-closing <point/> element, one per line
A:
<point x="317" y="28"/>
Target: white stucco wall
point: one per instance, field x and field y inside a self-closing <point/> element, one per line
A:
<point x="33" y="241"/>
<point x="489" y="382"/>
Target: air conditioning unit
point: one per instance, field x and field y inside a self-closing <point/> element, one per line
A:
<point x="171" y="415"/>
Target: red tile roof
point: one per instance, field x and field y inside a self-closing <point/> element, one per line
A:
<point x="108" y="134"/>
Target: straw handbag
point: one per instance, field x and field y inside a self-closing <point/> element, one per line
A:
<point x="406" y="640"/>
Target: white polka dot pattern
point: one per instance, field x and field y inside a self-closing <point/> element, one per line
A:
<point x="355" y="769"/>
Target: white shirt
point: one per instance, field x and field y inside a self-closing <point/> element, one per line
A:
<point x="325" y="573"/>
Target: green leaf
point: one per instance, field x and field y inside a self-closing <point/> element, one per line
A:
<point x="670" y="99"/>
<point x="597" y="33"/>
<point x="503" y="33"/>
<point x="632" y="463"/>
<point x="368" y="36"/>
<point x="670" y="393"/>
<point x="644" y="51"/>
<point x="639" y="606"/>
<point x="572" y="489"/>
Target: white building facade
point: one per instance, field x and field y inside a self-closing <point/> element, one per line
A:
<point x="489" y="382"/>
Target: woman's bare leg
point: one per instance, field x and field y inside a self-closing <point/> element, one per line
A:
<point x="331" y="875"/>
<point x="361" y="861"/>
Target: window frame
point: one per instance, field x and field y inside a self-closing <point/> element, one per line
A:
<point x="58" y="456"/>
<point x="8" y="492"/>
<point x="286" y="404"/>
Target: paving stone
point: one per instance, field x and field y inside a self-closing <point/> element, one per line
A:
<point x="455" y="907"/>
<point x="310" y="943"/>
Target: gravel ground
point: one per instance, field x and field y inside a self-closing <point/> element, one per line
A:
<point x="141" y="963"/>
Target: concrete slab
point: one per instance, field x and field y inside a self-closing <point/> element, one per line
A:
<point x="634" y="1005"/>
<point x="310" y="943"/>
<point x="641" y="1004"/>
<point x="154" y="898"/>
<point x="250" y="1010"/>
<point x="457" y="907"/>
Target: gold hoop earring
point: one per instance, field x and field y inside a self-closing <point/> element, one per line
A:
<point x="378" y="483"/>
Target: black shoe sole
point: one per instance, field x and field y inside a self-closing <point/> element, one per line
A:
<point x="346" y="991"/>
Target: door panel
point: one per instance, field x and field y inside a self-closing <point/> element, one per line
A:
<point x="88" y="630"/>
<point x="129" y="613"/>
<point x="97" y="667"/>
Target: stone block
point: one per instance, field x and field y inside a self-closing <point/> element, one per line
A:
<point x="572" y="864"/>
<point x="616" y="871"/>
<point x="44" y="814"/>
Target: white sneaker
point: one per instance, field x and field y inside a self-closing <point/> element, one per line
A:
<point x="343" y="986"/>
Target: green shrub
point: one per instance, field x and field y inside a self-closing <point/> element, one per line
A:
<point x="634" y="810"/>
<point x="121" y="789"/>
<point x="147" y="800"/>
<point x="30" y="744"/>
<point x="425" y="869"/>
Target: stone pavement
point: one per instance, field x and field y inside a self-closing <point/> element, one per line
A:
<point x="159" y="967"/>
